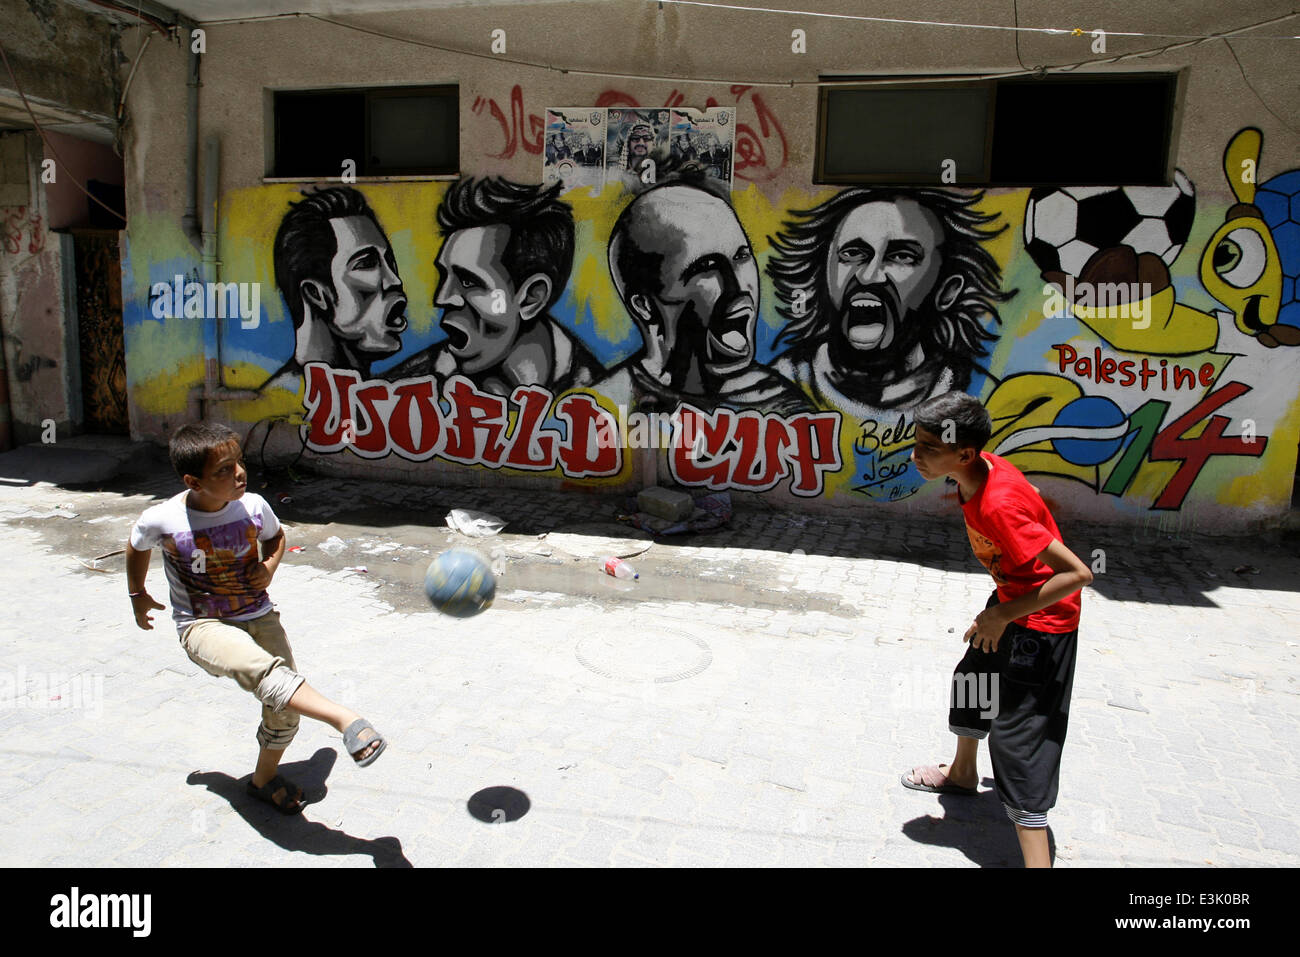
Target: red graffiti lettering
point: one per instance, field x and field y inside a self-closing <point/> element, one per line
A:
<point x="701" y="438"/>
<point x="1170" y="446"/>
<point x="416" y="409"/>
<point x="774" y="438"/>
<point x="371" y="405"/>
<point x="752" y="161"/>
<point x="584" y="453"/>
<point x="328" y="402"/>
<point x="377" y="418"/>
<point x="513" y="130"/>
<point x="816" y="450"/>
<point x="530" y="449"/>
<point x="16" y="219"/>
<point x="476" y="425"/>
<point x="37" y="242"/>
<point x="13" y="228"/>
<point x="727" y="449"/>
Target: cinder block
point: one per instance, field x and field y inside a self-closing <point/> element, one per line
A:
<point x="665" y="503"/>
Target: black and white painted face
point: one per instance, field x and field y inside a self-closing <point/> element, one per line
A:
<point x="480" y="311"/>
<point x="707" y="307"/>
<point x="370" y="306"/>
<point x="882" y="265"/>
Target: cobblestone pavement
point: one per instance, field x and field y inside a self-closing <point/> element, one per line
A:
<point x="751" y="700"/>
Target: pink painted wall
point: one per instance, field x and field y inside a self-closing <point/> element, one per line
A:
<point x="84" y="160"/>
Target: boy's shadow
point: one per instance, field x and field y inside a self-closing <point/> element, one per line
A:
<point x="292" y="831"/>
<point x="977" y="826"/>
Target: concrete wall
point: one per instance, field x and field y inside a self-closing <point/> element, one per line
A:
<point x="65" y="60"/>
<point x="63" y="57"/>
<point x="1218" y="449"/>
<point x="32" y="308"/>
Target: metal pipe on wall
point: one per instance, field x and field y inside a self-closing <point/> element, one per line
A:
<point x="190" y="221"/>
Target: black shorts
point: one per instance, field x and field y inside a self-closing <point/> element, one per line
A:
<point x="1019" y="697"/>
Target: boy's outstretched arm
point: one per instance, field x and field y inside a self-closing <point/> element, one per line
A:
<point x="273" y="549"/>
<point x="137" y="567"/>
<point x="1071" y="575"/>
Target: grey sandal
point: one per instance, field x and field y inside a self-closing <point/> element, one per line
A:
<point x="352" y="741"/>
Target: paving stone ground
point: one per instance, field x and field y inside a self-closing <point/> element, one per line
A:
<point x="739" y="704"/>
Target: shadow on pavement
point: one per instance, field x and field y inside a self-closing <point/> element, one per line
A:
<point x="1166" y="559"/>
<point x="977" y="826"/>
<point x="496" y="805"/>
<point x="295" y="832"/>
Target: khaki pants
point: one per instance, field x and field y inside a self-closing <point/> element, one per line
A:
<point x="257" y="655"/>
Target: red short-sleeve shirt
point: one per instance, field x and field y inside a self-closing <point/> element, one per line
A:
<point x="1009" y="526"/>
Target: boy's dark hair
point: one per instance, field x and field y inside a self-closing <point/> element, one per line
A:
<point x="190" y="445"/>
<point x="970" y="419"/>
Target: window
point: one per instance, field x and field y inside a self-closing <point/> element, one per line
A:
<point x="393" y="131"/>
<point x="1092" y="130"/>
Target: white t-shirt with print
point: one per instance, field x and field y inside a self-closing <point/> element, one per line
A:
<point x="208" y="556"/>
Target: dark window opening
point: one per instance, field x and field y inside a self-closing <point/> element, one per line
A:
<point x="1093" y="130"/>
<point x="401" y="131"/>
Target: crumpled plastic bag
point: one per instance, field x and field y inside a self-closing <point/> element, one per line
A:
<point x="474" y="524"/>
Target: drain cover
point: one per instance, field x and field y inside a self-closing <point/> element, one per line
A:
<point x="657" y="655"/>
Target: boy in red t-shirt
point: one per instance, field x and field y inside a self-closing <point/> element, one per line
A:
<point x="1013" y="685"/>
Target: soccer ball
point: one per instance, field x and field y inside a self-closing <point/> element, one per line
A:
<point x="460" y="583"/>
<point x="1065" y="226"/>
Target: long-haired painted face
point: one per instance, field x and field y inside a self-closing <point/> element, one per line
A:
<point x="882" y="264"/>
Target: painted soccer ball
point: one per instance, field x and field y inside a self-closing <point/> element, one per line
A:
<point x="460" y="583"/>
<point x="1065" y="226"/>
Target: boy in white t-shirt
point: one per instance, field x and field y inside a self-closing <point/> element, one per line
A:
<point x="209" y="536"/>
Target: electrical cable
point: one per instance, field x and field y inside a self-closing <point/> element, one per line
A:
<point x="1245" y="78"/>
<point x="131" y="76"/>
<point x="1055" y="31"/>
<point x="824" y="81"/>
<point x="163" y="28"/>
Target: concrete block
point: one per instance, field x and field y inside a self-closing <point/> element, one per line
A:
<point x="665" y="503"/>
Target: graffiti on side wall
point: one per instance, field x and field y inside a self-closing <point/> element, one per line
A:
<point x="17" y="221"/>
<point x="889" y="296"/>
<point x="763" y="345"/>
<point x="1049" y="424"/>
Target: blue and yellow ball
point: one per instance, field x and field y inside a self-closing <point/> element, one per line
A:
<point x="460" y="583"/>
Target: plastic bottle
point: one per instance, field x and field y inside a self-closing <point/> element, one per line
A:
<point x="619" y="568"/>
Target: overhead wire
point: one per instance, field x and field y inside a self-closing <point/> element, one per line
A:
<point x="50" y="146"/>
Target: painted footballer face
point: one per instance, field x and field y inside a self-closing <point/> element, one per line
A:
<point x="480" y="305"/>
<point x="370" y="303"/>
<point x="882" y="265"/>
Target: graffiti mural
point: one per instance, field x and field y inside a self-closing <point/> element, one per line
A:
<point x="1072" y="423"/>
<point x="1136" y="344"/>
<point x="506" y="255"/>
<point x="685" y="271"/>
<point x="1252" y="263"/>
<point x="336" y="271"/>
<point x="888" y="295"/>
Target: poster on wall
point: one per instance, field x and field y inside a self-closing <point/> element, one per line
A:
<point x="636" y="147"/>
<point x="701" y="142"/>
<point x="575" y="147"/>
